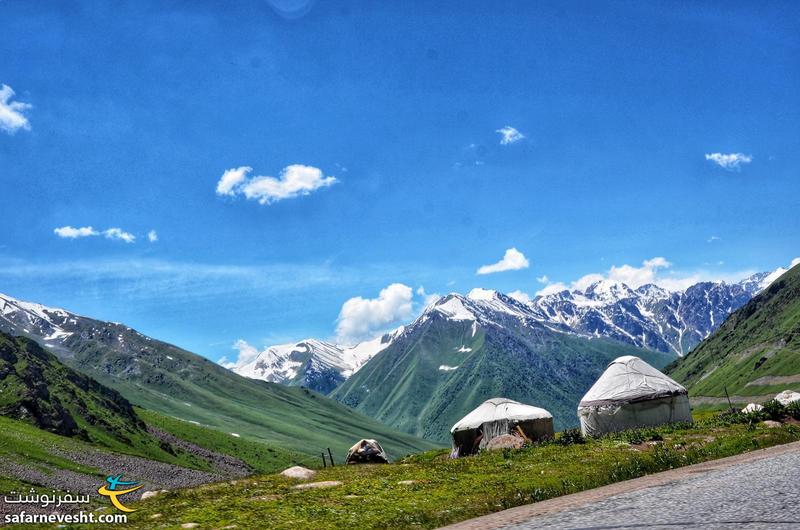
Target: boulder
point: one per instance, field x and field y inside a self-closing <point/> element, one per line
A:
<point x="787" y="396"/>
<point x="751" y="408"/>
<point x="771" y="424"/>
<point x="299" y="472"/>
<point x="505" y="441"/>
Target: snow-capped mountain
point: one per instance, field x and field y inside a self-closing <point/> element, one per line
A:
<point x="649" y="316"/>
<point x="313" y="363"/>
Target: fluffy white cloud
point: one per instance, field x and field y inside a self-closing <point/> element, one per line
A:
<point x="543" y="279"/>
<point x="152" y="236"/>
<point x="519" y="296"/>
<point x="360" y="318"/>
<point x="427" y="298"/>
<point x="729" y="161"/>
<point x="119" y="234"/>
<point x="513" y="260"/>
<point x="12" y="117"/>
<point x="231" y="179"/>
<point x="651" y="271"/>
<point x="70" y="232"/>
<point x="294" y="181"/>
<point x="509" y="135"/>
<point x="246" y="354"/>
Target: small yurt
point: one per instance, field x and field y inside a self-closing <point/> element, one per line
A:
<point x="497" y="417"/>
<point x="631" y="394"/>
<point x="367" y="452"/>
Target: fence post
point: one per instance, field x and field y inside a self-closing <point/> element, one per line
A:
<point x="324" y="465"/>
<point x="331" y="456"/>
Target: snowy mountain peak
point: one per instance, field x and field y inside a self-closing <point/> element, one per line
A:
<point x="482" y="294"/>
<point x="453" y="307"/>
<point x="608" y="291"/>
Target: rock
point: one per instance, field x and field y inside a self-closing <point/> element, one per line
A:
<point x="751" y="408"/>
<point x="771" y="424"/>
<point x="300" y="472"/>
<point x="505" y="441"/>
<point x="787" y="396"/>
<point x="149" y="495"/>
<point x="190" y="525"/>
<point x="155" y="516"/>
<point x="407" y="482"/>
<point x="315" y="485"/>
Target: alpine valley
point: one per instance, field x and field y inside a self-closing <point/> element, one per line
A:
<point x="423" y="377"/>
<point x="179" y="384"/>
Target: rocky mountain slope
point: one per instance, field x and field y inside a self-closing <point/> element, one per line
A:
<point x="463" y="350"/>
<point x="167" y="379"/>
<point x="312" y="363"/>
<point x="756" y="352"/>
<point x="649" y="316"/>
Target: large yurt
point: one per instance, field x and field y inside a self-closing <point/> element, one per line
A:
<point x="498" y="417"/>
<point x="632" y="394"/>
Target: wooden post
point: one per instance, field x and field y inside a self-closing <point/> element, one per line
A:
<point x="331" y="456"/>
<point x="324" y="465"/>
<point x="730" y="407"/>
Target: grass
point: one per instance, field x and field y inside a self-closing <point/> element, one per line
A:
<point x="759" y="340"/>
<point x="261" y="457"/>
<point x="445" y="491"/>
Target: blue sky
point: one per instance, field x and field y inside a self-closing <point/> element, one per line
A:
<point x="635" y="131"/>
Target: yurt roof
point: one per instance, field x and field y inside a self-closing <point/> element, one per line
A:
<point x="630" y="379"/>
<point x="499" y="409"/>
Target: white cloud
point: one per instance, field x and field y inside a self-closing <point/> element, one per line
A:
<point x="360" y="318"/>
<point x="509" y="135"/>
<point x="70" y="232"/>
<point x="552" y="288"/>
<point x="651" y="271"/>
<point x="713" y="238"/>
<point x="427" y="298"/>
<point x="119" y="234"/>
<point x="152" y="236"/>
<point x="231" y="179"/>
<point x="246" y="354"/>
<point x="543" y="279"/>
<point x="730" y="161"/>
<point x="519" y="296"/>
<point x="294" y="181"/>
<point x="513" y="260"/>
<point x="12" y="117"/>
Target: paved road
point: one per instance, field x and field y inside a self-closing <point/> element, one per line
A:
<point x="743" y="493"/>
<point x="764" y="494"/>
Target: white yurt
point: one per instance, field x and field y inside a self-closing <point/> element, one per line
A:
<point x="631" y="394"/>
<point x="497" y="417"/>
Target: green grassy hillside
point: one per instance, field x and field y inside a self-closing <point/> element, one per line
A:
<point x="161" y="377"/>
<point x="431" y="377"/>
<point x="756" y="352"/>
<point x="39" y="390"/>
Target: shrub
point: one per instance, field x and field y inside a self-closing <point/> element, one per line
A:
<point x="793" y="409"/>
<point x="774" y="410"/>
<point x="571" y="437"/>
<point x="639" y="436"/>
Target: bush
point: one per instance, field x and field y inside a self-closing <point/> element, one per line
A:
<point x="571" y="437"/>
<point x="793" y="409"/>
<point x="774" y="410"/>
<point x="639" y="436"/>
